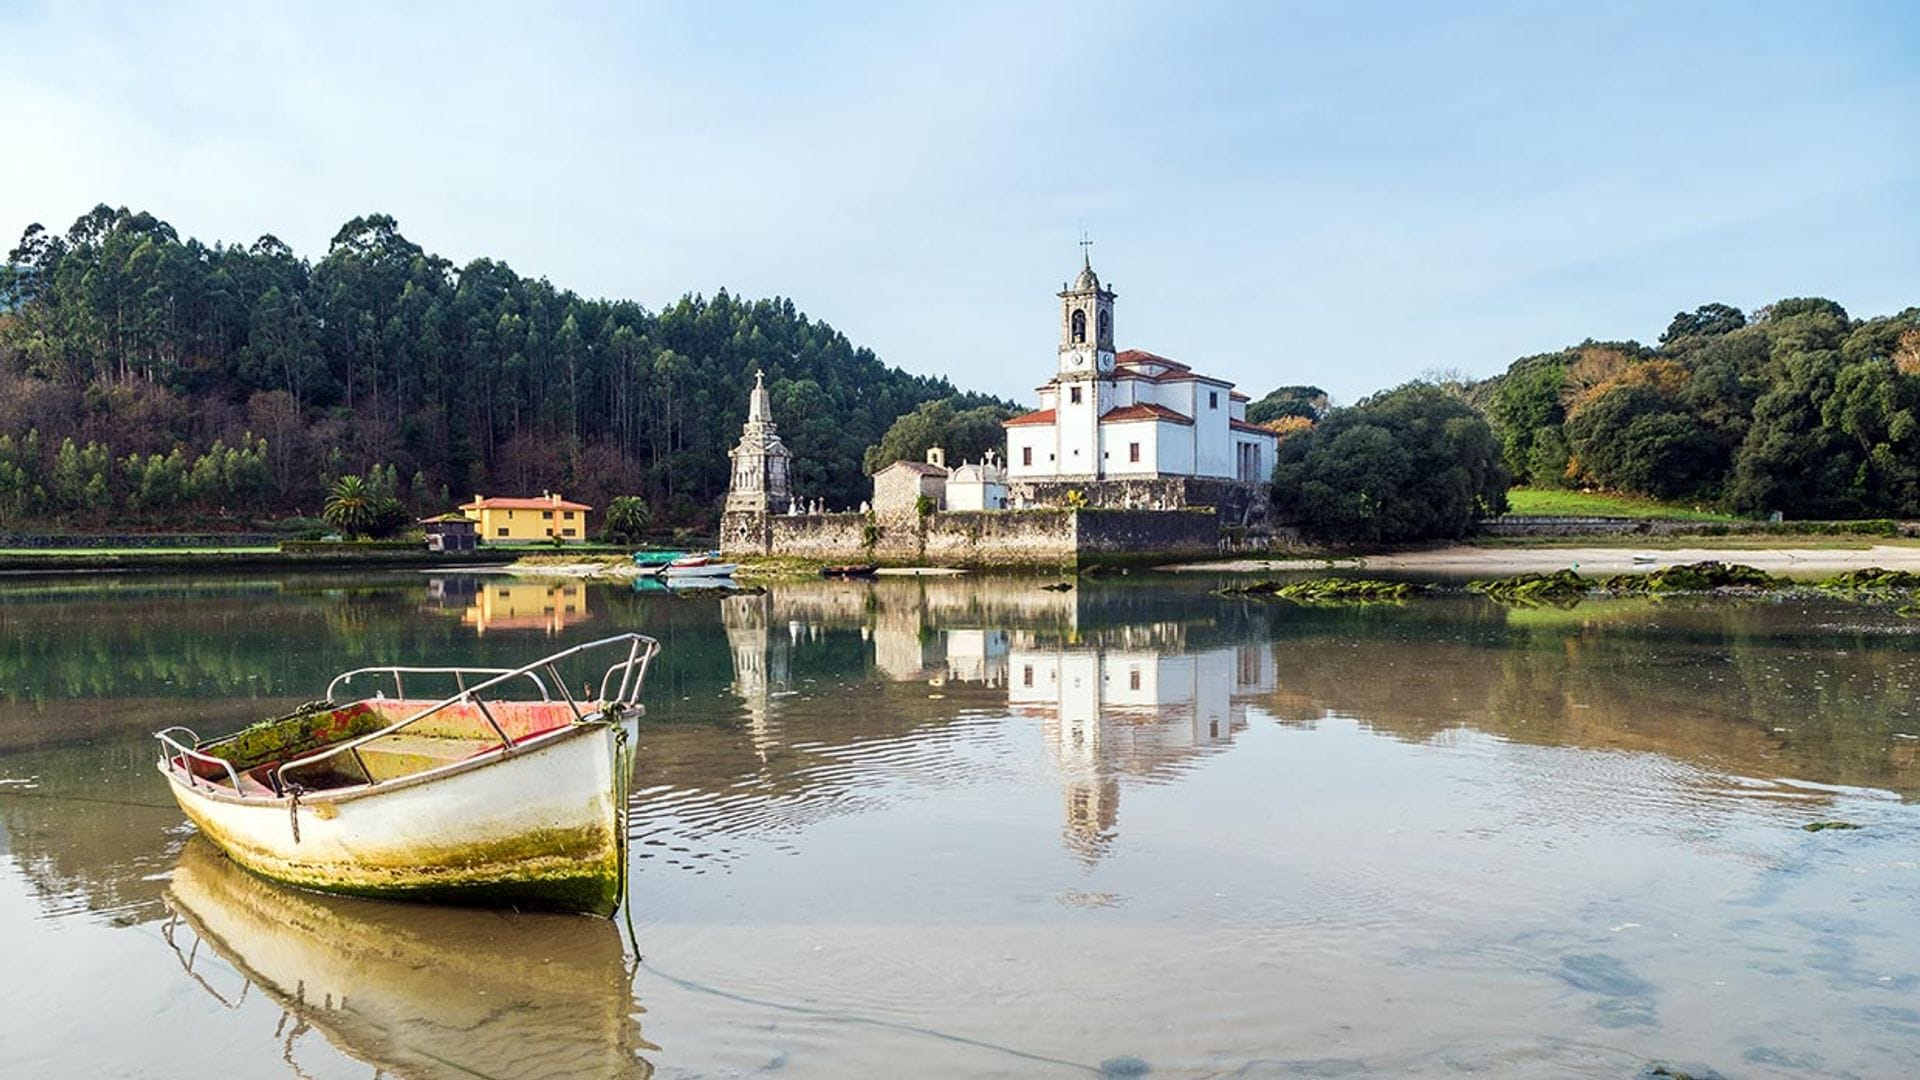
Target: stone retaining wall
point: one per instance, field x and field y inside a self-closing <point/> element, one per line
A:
<point x="979" y="538"/>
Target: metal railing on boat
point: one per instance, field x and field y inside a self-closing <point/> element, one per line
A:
<point x="619" y="689"/>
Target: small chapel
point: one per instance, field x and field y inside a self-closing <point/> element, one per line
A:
<point x="1130" y="414"/>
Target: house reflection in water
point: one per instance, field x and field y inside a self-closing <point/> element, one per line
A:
<point x="1139" y="709"/>
<point x="493" y="605"/>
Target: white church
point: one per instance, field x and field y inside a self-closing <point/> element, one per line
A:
<point x="1132" y="414"/>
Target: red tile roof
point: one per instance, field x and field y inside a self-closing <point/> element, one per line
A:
<point x="1144" y="411"/>
<point x="1142" y="356"/>
<point x="1044" y="416"/>
<point x="1251" y="429"/>
<point x="498" y="503"/>
<point x="1238" y="396"/>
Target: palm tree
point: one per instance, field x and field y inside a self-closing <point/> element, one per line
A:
<point x="349" y="506"/>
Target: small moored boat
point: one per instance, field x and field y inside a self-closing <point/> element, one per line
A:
<point x="510" y="792"/>
<point x="850" y="570"/>
<point x="698" y="566"/>
<point x="656" y="560"/>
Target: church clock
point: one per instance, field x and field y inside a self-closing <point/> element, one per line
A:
<point x="1086" y="324"/>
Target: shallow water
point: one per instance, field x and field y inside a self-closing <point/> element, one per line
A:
<point x="970" y="827"/>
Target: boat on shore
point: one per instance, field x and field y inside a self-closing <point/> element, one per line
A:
<point x="508" y="792"/>
<point x="851" y="570"/>
<point x="694" y="567"/>
<point x="656" y="560"/>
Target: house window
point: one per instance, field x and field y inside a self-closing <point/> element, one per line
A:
<point x="546" y="515"/>
<point x="503" y="532"/>
<point x="1026" y="455"/>
<point x="570" y="532"/>
<point x="1133" y="451"/>
<point x="1133" y="679"/>
<point x="1026" y="675"/>
<point x="1073" y="394"/>
<point x="568" y="515"/>
<point x="1213" y="399"/>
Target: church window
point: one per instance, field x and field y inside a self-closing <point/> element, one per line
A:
<point x="1026" y="455"/>
<point x="1133" y="451"/>
<point x="1213" y="399"/>
<point x="1079" y="326"/>
<point x="1073" y="394"/>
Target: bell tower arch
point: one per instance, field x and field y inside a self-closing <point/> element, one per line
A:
<point x="1086" y="324"/>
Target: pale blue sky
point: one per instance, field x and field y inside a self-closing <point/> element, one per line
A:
<point x="1344" y="194"/>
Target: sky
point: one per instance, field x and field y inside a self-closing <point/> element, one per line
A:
<point x="1348" y="195"/>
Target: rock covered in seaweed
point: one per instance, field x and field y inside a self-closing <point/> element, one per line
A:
<point x="1330" y="590"/>
<point x="1706" y="576"/>
<point x="1871" y="579"/>
<point x="1561" y="588"/>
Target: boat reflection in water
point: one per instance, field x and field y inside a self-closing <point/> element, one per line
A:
<point x="412" y="990"/>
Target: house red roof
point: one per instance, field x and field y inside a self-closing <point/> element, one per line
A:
<point x="1251" y="429"/>
<point x="1238" y="396"/>
<point x="1142" y="356"/>
<point x="1143" y="411"/>
<point x="1044" y="416"/>
<point x="498" y="503"/>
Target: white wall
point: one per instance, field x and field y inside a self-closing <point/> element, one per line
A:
<point x="1114" y="439"/>
<point x="1213" y="444"/>
<point x="976" y="495"/>
<point x="1079" y="427"/>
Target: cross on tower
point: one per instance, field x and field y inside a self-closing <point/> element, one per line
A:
<point x="1085" y="256"/>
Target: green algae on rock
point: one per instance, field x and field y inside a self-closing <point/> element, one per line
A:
<point x="1561" y="588"/>
<point x="1329" y="590"/>
<point x="1706" y="576"/>
<point x="1871" y="579"/>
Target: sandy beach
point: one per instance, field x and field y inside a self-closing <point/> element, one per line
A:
<point x="1482" y="561"/>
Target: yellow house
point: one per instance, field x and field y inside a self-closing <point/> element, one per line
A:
<point x="524" y="521"/>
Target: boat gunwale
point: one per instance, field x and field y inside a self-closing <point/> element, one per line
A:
<point x="492" y="755"/>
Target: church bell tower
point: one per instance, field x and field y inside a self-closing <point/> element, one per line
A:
<point x="1086" y="325"/>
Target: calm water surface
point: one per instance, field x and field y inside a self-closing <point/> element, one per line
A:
<point x="973" y="828"/>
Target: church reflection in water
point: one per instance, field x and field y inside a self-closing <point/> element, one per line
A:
<point x="1140" y="710"/>
<point x="1117" y="703"/>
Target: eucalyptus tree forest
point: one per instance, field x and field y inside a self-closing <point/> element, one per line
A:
<point x="151" y="381"/>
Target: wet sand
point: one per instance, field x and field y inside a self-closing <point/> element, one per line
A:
<point x="1464" y="559"/>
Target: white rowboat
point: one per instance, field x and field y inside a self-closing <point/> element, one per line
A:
<point x="473" y="798"/>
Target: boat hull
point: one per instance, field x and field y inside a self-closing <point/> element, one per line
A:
<point x="538" y="828"/>
<point x="690" y="573"/>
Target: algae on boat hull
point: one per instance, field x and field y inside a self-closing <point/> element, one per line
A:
<point x="310" y="727"/>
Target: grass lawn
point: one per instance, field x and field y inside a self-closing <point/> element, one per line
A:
<point x="1554" y="503"/>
